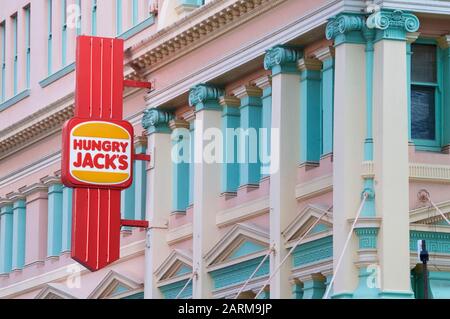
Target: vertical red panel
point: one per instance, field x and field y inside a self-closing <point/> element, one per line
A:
<point x="96" y="213"/>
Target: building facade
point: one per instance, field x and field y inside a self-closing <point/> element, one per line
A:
<point x="300" y="148"/>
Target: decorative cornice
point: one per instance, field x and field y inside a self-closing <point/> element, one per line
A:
<point x="34" y="188"/>
<point x="229" y="101"/>
<point x="51" y="180"/>
<point x="16" y="196"/>
<point x="392" y="24"/>
<point x="5" y="202"/>
<point x="345" y="28"/>
<point x="156" y="121"/>
<point x="282" y="59"/>
<point x="200" y="26"/>
<point x="204" y="96"/>
<point x="263" y="82"/>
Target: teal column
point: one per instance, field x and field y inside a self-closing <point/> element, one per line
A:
<point x="18" y="254"/>
<point x="369" y="206"/>
<point x="54" y="226"/>
<point x="180" y="165"/>
<point x="367" y="250"/>
<point x="265" y="84"/>
<point x="297" y="290"/>
<point x="314" y="287"/>
<point x="140" y="183"/>
<point x="66" y="219"/>
<point x="127" y="203"/>
<point x="191" y="163"/>
<point x="248" y="145"/>
<point x="327" y="99"/>
<point x="6" y="238"/>
<point x="310" y="85"/>
<point x="230" y="123"/>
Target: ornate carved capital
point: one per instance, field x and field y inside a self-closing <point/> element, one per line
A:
<point x="393" y="24"/>
<point x="282" y="59"/>
<point x="345" y="27"/>
<point x="202" y="95"/>
<point x="156" y="121"/>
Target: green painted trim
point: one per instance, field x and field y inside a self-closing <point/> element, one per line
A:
<point x="364" y="291"/>
<point x="346" y="28"/>
<point x="64" y="33"/>
<point x="367" y="237"/>
<point x="266" y="114"/>
<point x="342" y="295"/>
<point x="15" y="99"/>
<point x="94" y="18"/>
<point x="171" y="291"/>
<point x="314" y="251"/>
<point x="157" y="121"/>
<point x="19" y="228"/>
<point x="180" y="170"/>
<point x="392" y="24"/>
<point x="137" y="28"/>
<point x="15" y="54"/>
<point x="239" y="273"/>
<point x="192" y="162"/>
<point x="436" y="242"/>
<point x="282" y="59"/>
<point x="3" y="61"/>
<point x="314" y="288"/>
<point x="49" y="36"/>
<point x="54" y="225"/>
<point x="230" y="166"/>
<point x="396" y="295"/>
<point x="27" y="43"/>
<point x="119" y="20"/>
<point x="6" y="238"/>
<point x="66" y="236"/>
<point x="57" y="75"/>
<point x="327" y="101"/>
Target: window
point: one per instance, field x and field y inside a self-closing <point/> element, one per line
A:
<point x="425" y="96"/>
<point x="2" y="60"/>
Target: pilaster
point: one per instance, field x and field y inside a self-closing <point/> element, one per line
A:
<point x="285" y="155"/>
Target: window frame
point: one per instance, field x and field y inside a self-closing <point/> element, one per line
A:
<point x="436" y="144"/>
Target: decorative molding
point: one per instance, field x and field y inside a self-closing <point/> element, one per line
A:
<point x="229" y="101"/>
<point x="180" y="233"/>
<point x="411" y="37"/>
<point x="392" y="24"/>
<point x="263" y="82"/>
<point x="247" y="91"/>
<point x="282" y="59"/>
<point x="345" y="27"/>
<point x="324" y="53"/>
<point x="315" y="187"/>
<point x="304" y="220"/>
<point x="242" y="212"/>
<point x="177" y="123"/>
<point x="429" y="173"/>
<point x="110" y="282"/>
<point x="156" y="121"/>
<point x="238" y="234"/>
<point x="312" y="252"/>
<point x="170" y="266"/>
<point x="368" y="170"/>
<point x="15" y="99"/>
<point x="56" y="291"/>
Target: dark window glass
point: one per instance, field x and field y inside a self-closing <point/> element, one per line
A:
<point x="423" y="63"/>
<point x="423" y="117"/>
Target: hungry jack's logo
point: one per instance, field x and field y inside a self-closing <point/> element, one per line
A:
<point x="98" y="153"/>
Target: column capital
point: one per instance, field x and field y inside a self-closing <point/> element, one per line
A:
<point x="392" y="24"/>
<point x="263" y="82"/>
<point x="156" y="121"/>
<point x="202" y="95"/>
<point x="51" y="180"/>
<point x="4" y="203"/>
<point x="140" y="141"/>
<point x="345" y="28"/>
<point x="282" y="59"/>
<point x="32" y="189"/>
<point x="16" y="196"/>
<point x="189" y="115"/>
<point x="307" y="64"/>
<point x="247" y="91"/>
<point x="411" y="37"/>
<point x="444" y="41"/>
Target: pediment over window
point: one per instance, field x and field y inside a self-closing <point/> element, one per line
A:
<point x="305" y="219"/>
<point x="56" y="291"/>
<point x="242" y="241"/>
<point x="117" y="285"/>
<point x="429" y="216"/>
<point x="176" y="265"/>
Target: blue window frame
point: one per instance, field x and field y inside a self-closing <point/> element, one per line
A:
<point x="50" y="36"/>
<point x="27" y="43"/>
<point x="64" y="33"/>
<point x="15" y="54"/>
<point x="94" y="18"/>
<point x="426" y="95"/>
<point x="119" y="20"/>
<point x="3" y="60"/>
<point x="135" y="12"/>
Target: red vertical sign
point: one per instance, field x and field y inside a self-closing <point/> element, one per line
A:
<point x="97" y="152"/>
